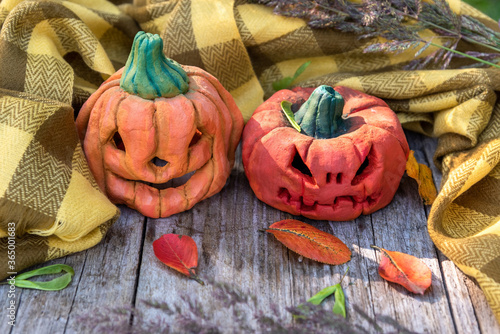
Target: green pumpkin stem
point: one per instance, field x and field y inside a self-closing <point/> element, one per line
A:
<point x="149" y="74"/>
<point x="321" y="115"/>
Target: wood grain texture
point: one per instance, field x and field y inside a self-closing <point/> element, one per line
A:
<point x="464" y="318"/>
<point x="105" y="276"/>
<point x="123" y="271"/>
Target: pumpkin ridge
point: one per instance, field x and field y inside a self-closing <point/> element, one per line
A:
<point x="218" y="145"/>
<point x="220" y="113"/>
<point x="104" y="100"/>
<point x="210" y="183"/>
<point x="228" y="101"/>
<point x="123" y="96"/>
<point x="405" y="148"/>
<point x="370" y="104"/>
<point x="199" y="125"/>
<point x="83" y="117"/>
<point x="391" y="133"/>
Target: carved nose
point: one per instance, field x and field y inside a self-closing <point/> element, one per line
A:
<point x="159" y="162"/>
<point x="327" y="178"/>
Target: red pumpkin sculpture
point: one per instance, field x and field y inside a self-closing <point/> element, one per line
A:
<point x="154" y="121"/>
<point x="340" y="155"/>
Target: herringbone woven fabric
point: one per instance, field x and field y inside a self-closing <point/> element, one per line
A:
<point x="53" y="55"/>
<point x="247" y="48"/>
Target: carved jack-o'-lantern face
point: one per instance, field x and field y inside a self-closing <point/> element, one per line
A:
<point x="347" y="159"/>
<point x="141" y="138"/>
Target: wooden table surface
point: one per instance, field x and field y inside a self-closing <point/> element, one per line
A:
<point x="122" y="270"/>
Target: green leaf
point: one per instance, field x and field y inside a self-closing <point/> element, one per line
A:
<point x="286" y="107"/>
<point x="282" y="84"/>
<point x="287" y="81"/>
<point x="322" y="295"/>
<point x="57" y="283"/>
<point x="301" y="69"/>
<point x="339" y="306"/>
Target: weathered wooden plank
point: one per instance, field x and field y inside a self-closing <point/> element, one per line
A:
<point x="403" y="228"/>
<point x="109" y="273"/>
<point x="104" y="276"/>
<point x="460" y="303"/>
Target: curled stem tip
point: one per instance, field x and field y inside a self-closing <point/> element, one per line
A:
<point x="149" y="74"/>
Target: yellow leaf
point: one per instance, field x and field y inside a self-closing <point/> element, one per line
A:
<point x="423" y="175"/>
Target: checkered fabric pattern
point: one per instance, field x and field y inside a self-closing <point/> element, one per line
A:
<point x="44" y="56"/>
<point x="53" y="55"/>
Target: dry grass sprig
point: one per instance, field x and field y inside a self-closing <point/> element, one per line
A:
<point x="400" y="22"/>
<point x="242" y="314"/>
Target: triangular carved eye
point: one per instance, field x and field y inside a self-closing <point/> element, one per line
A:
<point x="363" y="170"/>
<point x="300" y="165"/>
<point x="117" y="139"/>
<point x="196" y="137"/>
<point x="363" y="166"/>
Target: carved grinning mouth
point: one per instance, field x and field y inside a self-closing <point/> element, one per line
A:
<point x="298" y="201"/>
<point x="172" y="183"/>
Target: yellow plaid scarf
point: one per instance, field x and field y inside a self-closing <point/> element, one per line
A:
<point x="247" y="48"/>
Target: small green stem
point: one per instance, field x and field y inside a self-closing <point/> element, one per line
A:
<point x="193" y="276"/>
<point x="321" y="115"/>
<point x="465" y="55"/>
<point x="149" y="74"/>
<point x="342" y="279"/>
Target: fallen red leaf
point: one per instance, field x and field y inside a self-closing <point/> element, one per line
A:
<point x="310" y="242"/>
<point x="404" y="269"/>
<point x="178" y="252"/>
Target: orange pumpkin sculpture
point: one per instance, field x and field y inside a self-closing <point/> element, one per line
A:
<point x="341" y="154"/>
<point x="153" y="122"/>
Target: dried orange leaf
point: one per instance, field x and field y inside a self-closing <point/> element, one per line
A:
<point x="310" y="242"/>
<point x="404" y="269"/>
<point x="423" y="175"/>
<point x="179" y="252"/>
